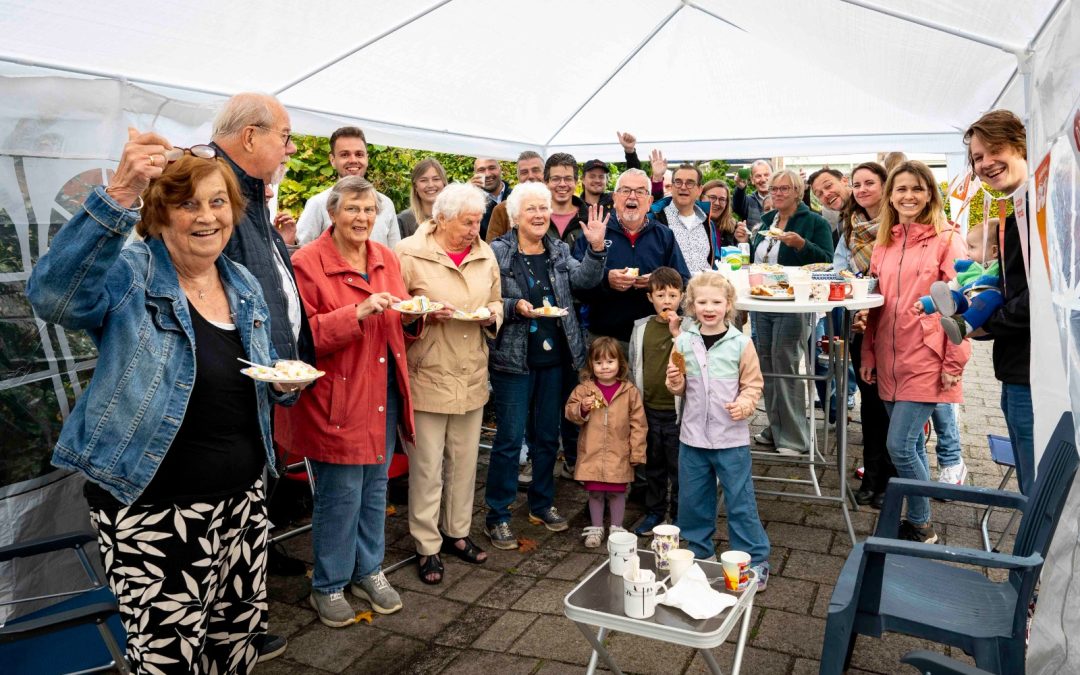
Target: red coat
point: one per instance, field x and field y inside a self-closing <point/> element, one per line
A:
<point x="910" y="351"/>
<point x="340" y="419"/>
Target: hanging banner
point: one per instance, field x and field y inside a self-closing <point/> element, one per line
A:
<point x="1020" y="211"/>
<point x="963" y="188"/>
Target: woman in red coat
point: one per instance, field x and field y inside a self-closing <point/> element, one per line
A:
<point x="906" y="353"/>
<point x="347" y="422"/>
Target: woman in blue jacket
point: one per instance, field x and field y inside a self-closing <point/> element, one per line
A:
<point x="173" y="441"/>
<point x="534" y="352"/>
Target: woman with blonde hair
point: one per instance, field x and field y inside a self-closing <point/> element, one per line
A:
<point x="428" y="180"/>
<point x="908" y="355"/>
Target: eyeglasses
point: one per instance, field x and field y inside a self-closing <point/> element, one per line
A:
<point x="780" y="189"/>
<point x="679" y="182"/>
<point x="357" y="210"/>
<point x="286" y="137"/>
<point x="637" y="192"/>
<point x="200" y="151"/>
<point x="569" y="180"/>
<point x="717" y="199"/>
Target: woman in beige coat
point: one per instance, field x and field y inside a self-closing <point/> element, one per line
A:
<point x="447" y="261"/>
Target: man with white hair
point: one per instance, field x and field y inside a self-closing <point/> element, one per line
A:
<point x="253" y="134"/>
<point x="637" y="245"/>
<point x="750" y="206"/>
<point x="349" y="157"/>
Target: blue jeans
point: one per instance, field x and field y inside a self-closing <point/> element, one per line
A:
<point x="948" y="434"/>
<point x="1020" y="418"/>
<point x="698" y="470"/>
<point x="348" y="534"/>
<point x="821" y="369"/>
<point x="906" y="421"/>
<point x="519" y="398"/>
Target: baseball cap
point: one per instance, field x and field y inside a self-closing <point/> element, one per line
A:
<point x="596" y="164"/>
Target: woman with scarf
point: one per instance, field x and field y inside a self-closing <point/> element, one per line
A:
<point x="858" y="226"/>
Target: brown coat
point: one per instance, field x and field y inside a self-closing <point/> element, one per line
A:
<point x="499" y="224"/>
<point x="612" y="439"/>
<point x="448" y="363"/>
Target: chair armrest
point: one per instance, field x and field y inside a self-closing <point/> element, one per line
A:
<point x="967" y="556"/>
<point x="34" y="547"/>
<point x="932" y="663"/>
<point x="92" y="613"/>
<point x="898" y="488"/>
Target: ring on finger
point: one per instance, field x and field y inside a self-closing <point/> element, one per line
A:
<point x="153" y="160"/>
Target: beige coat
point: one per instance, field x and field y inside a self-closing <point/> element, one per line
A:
<point x="448" y="363"/>
<point x="612" y="439"/>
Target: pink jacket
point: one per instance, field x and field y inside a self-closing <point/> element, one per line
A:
<point x="910" y="351"/>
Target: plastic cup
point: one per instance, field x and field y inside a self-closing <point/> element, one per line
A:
<point x="736" y="569"/>
<point x="679" y="560"/>
<point x="802" y="291"/>
<point x="860" y="288"/>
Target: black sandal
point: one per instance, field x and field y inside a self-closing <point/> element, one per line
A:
<point x="470" y="554"/>
<point x="433" y="565"/>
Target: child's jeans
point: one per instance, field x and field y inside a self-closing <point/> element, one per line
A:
<point x="699" y="469"/>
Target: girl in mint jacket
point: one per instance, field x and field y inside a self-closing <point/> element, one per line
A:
<point x="715" y="369"/>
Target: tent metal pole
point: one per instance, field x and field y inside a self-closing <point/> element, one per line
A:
<point x="363" y="45"/>
<point x="79" y="70"/>
<point x="618" y="69"/>
<point x="1031" y="48"/>
<point x="713" y="14"/>
<point x="934" y="25"/>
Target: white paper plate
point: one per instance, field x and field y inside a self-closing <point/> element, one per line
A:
<point x="434" y="307"/>
<point x="562" y="312"/>
<point x="253" y="374"/>
<point x="463" y="316"/>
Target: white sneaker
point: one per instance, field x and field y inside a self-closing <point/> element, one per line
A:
<point x="953" y="475"/>
<point x="525" y="475"/>
<point x="593" y="536"/>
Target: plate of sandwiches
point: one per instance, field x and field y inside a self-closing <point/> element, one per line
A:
<point x="419" y="304"/>
<point x="549" y="311"/>
<point x="479" y="314"/>
<point x="284" y="372"/>
<point x="762" y="292"/>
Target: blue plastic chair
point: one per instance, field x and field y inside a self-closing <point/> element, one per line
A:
<point x="932" y="663"/>
<point x="1001" y="451"/>
<point x="901" y="587"/>
<point x="81" y="633"/>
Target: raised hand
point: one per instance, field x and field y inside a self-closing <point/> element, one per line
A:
<point x="658" y="164"/>
<point x="142" y="160"/>
<point x="595" y="228"/>
<point x="627" y="141"/>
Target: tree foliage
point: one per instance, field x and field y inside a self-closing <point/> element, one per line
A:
<point x="975" y="208"/>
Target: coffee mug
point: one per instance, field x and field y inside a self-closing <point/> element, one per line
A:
<point x="621" y="546"/>
<point x="837" y="291"/>
<point x="819" y="291"/>
<point x="802" y="291"/>
<point x="679" y="560"/>
<point x="665" y="539"/>
<point x="639" y="594"/>
<point x="736" y="566"/>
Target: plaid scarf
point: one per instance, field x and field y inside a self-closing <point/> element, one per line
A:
<point x="861" y="238"/>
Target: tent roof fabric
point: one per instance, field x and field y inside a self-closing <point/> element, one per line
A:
<point x="696" y="77"/>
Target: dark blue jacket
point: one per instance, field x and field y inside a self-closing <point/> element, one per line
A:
<point x="252" y="245"/>
<point x="611" y="312"/>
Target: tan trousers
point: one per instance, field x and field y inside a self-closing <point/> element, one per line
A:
<point x="442" y="477"/>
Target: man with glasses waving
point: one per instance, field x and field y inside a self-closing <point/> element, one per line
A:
<point x="349" y="157"/>
<point x="252" y="133"/>
<point x="688" y="219"/>
<point x="637" y="245"/>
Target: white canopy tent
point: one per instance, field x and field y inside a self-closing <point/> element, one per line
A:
<point x="696" y="78"/>
<point x="479" y="76"/>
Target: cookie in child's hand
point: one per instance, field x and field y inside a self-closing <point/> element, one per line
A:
<point x="680" y="361"/>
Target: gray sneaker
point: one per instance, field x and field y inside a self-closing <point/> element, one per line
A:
<point x="525" y="477"/>
<point x="334" y="610"/>
<point x="565" y="470"/>
<point x="378" y="592"/>
<point x="501" y="536"/>
<point x="550" y="518"/>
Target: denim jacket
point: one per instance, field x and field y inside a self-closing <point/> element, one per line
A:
<point x="129" y="300"/>
<point x="509" y="349"/>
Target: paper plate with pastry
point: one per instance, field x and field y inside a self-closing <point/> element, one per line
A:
<point x="774" y="233"/>
<point x="766" y="268"/>
<point x="419" y="304"/>
<point x="772" y="293"/>
<point x="479" y="314"/>
<point x="818" y="267"/>
<point x="284" y="372"/>
<point x="548" y="311"/>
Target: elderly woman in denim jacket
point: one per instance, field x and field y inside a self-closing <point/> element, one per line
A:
<point x="529" y="357"/>
<point x="173" y="440"/>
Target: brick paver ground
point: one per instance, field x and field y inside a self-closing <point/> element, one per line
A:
<point x="505" y="617"/>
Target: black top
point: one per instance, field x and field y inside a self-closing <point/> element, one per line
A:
<point x="546" y="346"/>
<point x="1010" y="325"/>
<point x="710" y="340"/>
<point x="218" y="448"/>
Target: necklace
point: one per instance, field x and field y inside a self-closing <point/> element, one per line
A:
<point x="201" y="292"/>
<point x="536" y="278"/>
